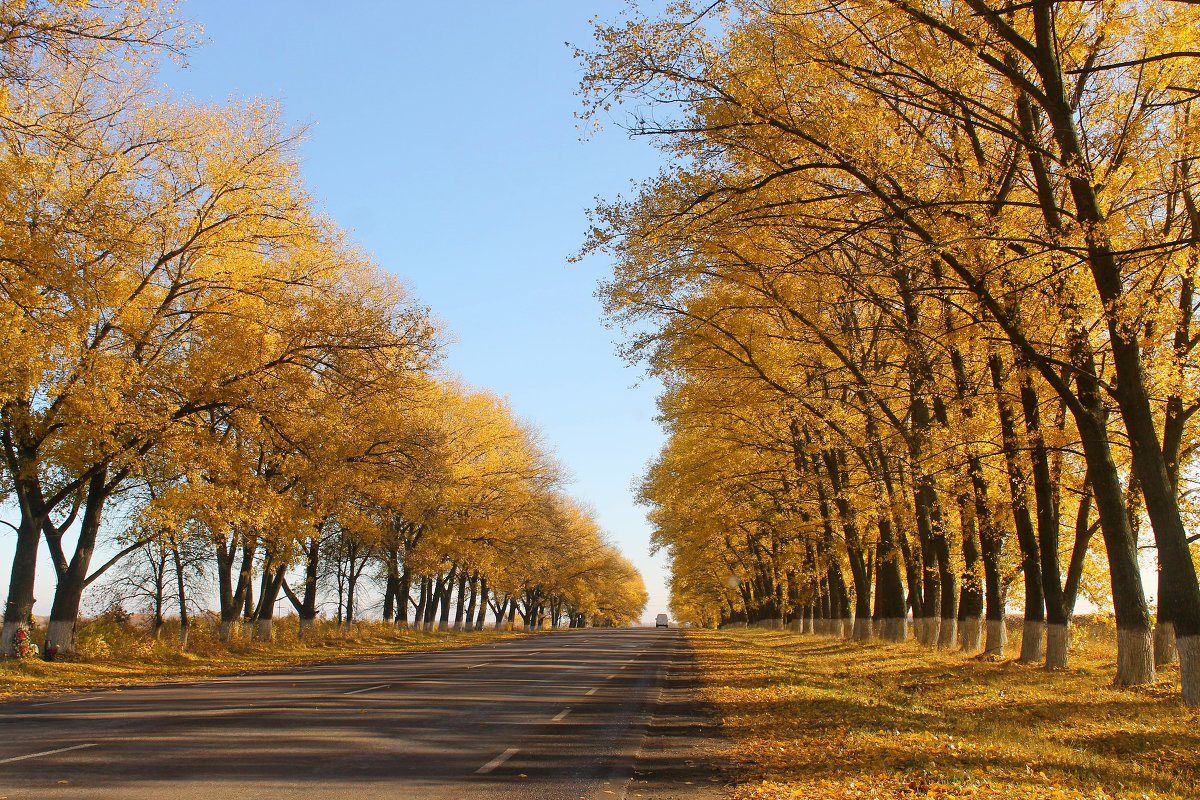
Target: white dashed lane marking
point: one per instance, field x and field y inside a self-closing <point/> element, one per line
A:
<point x="497" y="761"/>
<point x="46" y="753"/>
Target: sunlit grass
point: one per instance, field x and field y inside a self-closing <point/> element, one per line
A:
<point x="815" y="717"/>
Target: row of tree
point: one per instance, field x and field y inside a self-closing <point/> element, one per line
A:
<point x="191" y="347"/>
<point x="920" y="282"/>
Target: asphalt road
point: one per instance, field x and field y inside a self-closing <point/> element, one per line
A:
<point x="572" y="714"/>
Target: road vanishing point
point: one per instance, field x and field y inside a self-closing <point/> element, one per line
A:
<point x="571" y="714"/>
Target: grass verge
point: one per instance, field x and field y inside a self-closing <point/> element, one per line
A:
<point x="113" y="655"/>
<point x="817" y="717"/>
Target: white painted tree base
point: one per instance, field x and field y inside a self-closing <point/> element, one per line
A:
<point x="893" y="630"/>
<point x="60" y="633"/>
<point x="8" y="645"/>
<point x="970" y="634"/>
<point x="1033" y="641"/>
<point x="1165" y="648"/>
<point x="1058" y="646"/>
<point x="996" y="639"/>
<point x="1135" y="657"/>
<point x="948" y="633"/>
<point x="1189" y="668"/>
<point x="928" y="629"/>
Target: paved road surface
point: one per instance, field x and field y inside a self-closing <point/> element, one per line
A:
<point x="560" y="715"/>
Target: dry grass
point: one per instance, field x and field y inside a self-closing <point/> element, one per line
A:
<point x="115" y="654"/>
<point x="816" y="717"/>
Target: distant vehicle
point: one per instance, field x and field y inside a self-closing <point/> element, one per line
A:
<point x="661" y="621"/>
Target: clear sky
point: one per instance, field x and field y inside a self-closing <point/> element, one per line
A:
<point x="443" y="136"/>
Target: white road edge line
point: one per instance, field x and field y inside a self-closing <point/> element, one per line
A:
<point x="368" y="689"/>
<point x="497" y="761"/>
<point x="72" y="700"/>
<point x="48" y="753"/>
<point x="560" y="716"/>
<point x="590" y="691"/>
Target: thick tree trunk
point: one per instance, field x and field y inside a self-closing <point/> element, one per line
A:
<point x="1058" y="612"/>
<point x="265" y="615"/>
<point x="481" y="620"/>
<point x="1165" y="649"/>
<point x="997" y="630"/>
<point x="460" y="603"/>
<point x="403" y="598"/>
<point x="181" y="597"/>
<point x="469" y="623"/>
<point x="1181" y="590"/>
<point x="422" y="602"/>
<point x="500" y="608"/>
<point x="447" y="590"/>
<point x="34" y="510"/>
<point x="1135" y="654"/>
<point x="437" y="588"/>
<point x="1033" y="629"/>
<point x="835" y="471"/>
<point x="970" y="605"/>
<point x="948" y="632"/>
<point x="18" y="609"/>
<point x="928" y="628"/>
<point x="231" y="595"/>
<point x="72" y="578"/>
<point x="889" y="587"/>
<point x="391" y="587"/>
<point x="307" y="611"/>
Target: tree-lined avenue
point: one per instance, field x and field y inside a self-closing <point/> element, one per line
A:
<point x="560" y="715"/>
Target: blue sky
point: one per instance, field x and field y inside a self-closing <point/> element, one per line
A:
<point x="443" y="136"/>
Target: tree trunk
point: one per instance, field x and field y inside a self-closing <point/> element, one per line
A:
<point x="72" y="578"/>
<point x="1165" y="648"/>
<point x="1034" y="625"/>
<point x="266" y="602"/>
<point x="1135" y="656"/>
<point x="460" y="603"/>
<point x="447" y="589"/>
<point x="403" y="597"/>
<point x="835" y="471"/>
<point x="470" y="617"/>
<point x="481" y="620"/>
<point x="181" y="595"/>
<point x="501" y="608"/>
<point x="931" y="587"/>
<point x="1181" y="590"/>
<point x="436" y="588"/>
<point x="970" y="605"/>
<point x="889" y="587"/>
<point x="391" y="587"/>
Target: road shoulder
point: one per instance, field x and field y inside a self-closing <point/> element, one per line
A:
<point x="680" y="755"/>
